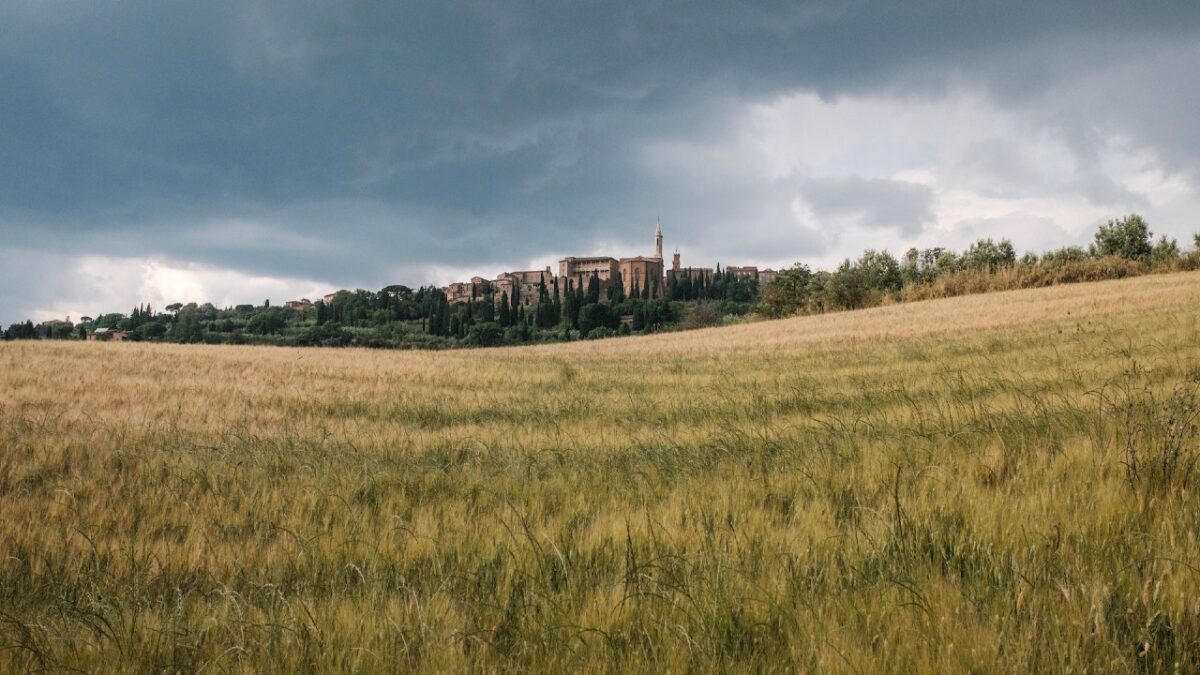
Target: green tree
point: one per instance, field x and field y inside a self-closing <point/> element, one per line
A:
<point x="593" y="290"/>
<point x="879" y="270"/>
<point x="639" y="318"/>
<point x="790" y="292"/>
<point x="505" y="313"/>
<point x="596" y="315"/>
<point x="267" y="322"/>
<point x="484" y="334"/>
<point x="1127" y="237"/>
<point x="988" y="255"/>
<point x="1165" y="251"/>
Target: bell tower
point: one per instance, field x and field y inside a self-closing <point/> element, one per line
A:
<point x="658" y="241"/>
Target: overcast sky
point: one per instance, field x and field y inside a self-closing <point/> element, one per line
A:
<point x="232" y="152"/>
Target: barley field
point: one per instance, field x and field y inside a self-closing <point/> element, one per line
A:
<point x="995" y="483"/>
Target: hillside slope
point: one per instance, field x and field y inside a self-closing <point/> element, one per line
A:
<point x="1004" y="482"/>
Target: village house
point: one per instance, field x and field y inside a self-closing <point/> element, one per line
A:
<point x="466" y="291"/>
<point x="752" y="273"/>
<point x="527" y="285"/>
<point x="108" y="335"/>
<point x="679" y="272"/>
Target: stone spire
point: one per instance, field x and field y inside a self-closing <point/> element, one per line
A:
<point x="658" y="240"/>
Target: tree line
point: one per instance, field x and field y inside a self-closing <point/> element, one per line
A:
<point x="398" y="316"/>
<point x="1121" y="247"/>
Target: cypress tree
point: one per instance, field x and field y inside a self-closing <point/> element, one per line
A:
<point x="593" y="292"/>
<point x="576" y="308"/>
<point x="505" y="315"/>
<point x="639" y="318"/>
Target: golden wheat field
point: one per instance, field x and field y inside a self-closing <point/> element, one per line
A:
<point x="995" y="483"/>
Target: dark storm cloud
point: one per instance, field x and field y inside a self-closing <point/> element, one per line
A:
<point x="359" y="136"/>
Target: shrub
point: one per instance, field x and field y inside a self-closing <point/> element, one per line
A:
<point x="704" y="314"/>
<point x="988" y="255"/>
<point x="600" y="333"/>
<point x="1165" y="252"/>
<point x="328" y="335"/>
<point x="485" y="334"/>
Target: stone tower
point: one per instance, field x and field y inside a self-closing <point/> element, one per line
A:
<point x="658" y="241"/>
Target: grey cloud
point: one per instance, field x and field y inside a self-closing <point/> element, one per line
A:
<point x="1000" y="167"/>
<point x="1027" y="231"/>
<point x="875" y="203"/>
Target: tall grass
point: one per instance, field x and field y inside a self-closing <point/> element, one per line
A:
<point x="996" y="483"/>
<point x="1043" y="274"/>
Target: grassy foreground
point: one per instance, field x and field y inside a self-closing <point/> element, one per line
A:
<point x="1003" y="483"/>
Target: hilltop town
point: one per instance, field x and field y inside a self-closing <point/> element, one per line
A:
<point x="640" y="276"/>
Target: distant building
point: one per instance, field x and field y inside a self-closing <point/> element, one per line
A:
<point x="301" y="304"/>
<point x="633" y="272"/>
<point x="527" y="284"/>
<point x="679" y="272"/>
<point x="748" y="272"/>
<point x="693" y="273"/>
<point x="766" y="276"/>
<point x="577" y="272"/>
<point x="108" y="335"/>
<point x="636" y="271"/>
<point x="466" y="291"/>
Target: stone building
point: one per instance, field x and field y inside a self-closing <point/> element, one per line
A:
<point x="749" y="272"/>
<point x="527" y="283"/>
<point x="465" y="291"/>
<point x="679" y="272"/>
<point x="576" y="272"/>
<point x="635" y="271"/>
<point x="765" y="277"/>
<point x="108" y="334"/>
